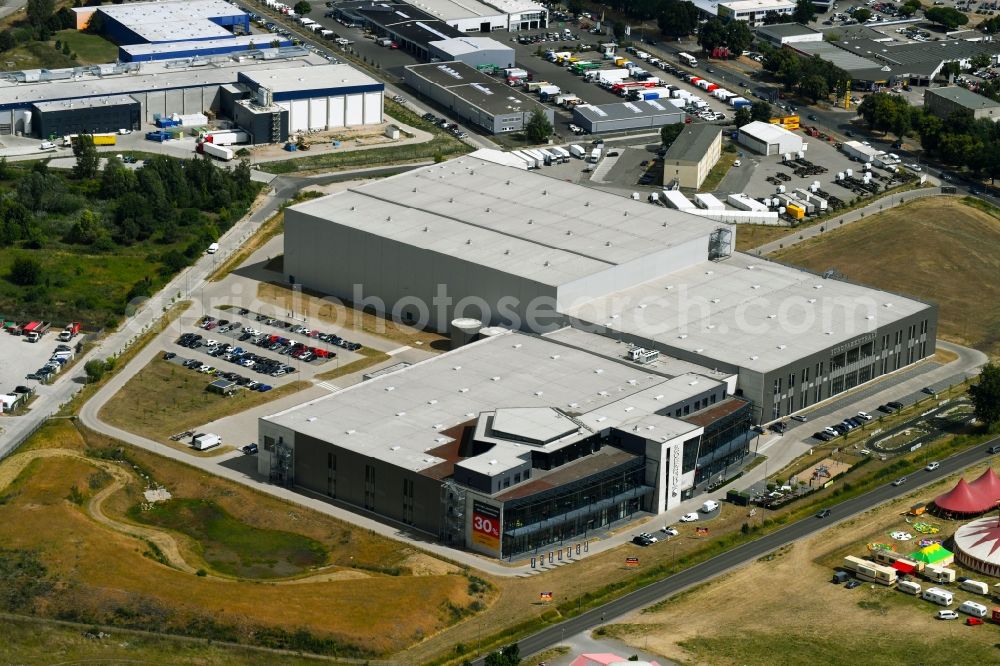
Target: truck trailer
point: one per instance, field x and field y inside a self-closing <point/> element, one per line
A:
<point x="218" y="152"/>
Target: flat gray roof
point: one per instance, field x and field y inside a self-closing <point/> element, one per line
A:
<point x="626" y="110"/>
<point x="515" y="221"/>
<point x="845" y="60"/>
<point x="399" y="418"/>
<point x="151" y="77"/>
<point x="692" y="143"/>
<point x="746" y="312"/>
<point x="478" y="89"/>
<point x="259" y="40"/>
<point x="86" y="103"/>
<point x="320" y="77"/>
<point x="963" y="96"/>
<point x="456" y="9"/>
<point x="457" y="46"/>
<point x="780" y="30"/>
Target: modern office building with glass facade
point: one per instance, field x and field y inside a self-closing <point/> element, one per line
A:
<point x="514" y="443"/>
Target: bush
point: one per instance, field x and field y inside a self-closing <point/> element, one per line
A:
<point x="26" y="272"/>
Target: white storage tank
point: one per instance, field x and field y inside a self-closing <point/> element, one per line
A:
<point x="463" y="331"/>
<point x="491" y="331"/>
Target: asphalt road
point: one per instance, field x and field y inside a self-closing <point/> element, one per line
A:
<point x="744" y="554"/>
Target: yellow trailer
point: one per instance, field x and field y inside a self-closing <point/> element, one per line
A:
<point x="105" y="139"/>
<point x="794" y="211"/>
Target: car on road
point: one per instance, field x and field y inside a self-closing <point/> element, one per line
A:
<point x="812" y="117"/>
<point x="900" y="481"/>
<point x="851" y="584"/>
<point x="737" y="163"/>
<point x="822" y="513"/>
<point x="994" y="449"/>
<point x="895" y="405"/>
<point x="689" y="517"/>
<point x="779" y="427"/>
<point x="848" y="133"/>
<point x="800" y="418"/>
<point x="931" y="466"/>
<point x="928" y="390"/>
<point x="914" y="167"/>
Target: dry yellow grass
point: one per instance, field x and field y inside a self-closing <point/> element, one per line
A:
<point x="164" y="398"/>
<point x="938" y="249"/>
<point x="785" y="611"/>
<point x="106" y="569"/>
<point x="334" y="311"/>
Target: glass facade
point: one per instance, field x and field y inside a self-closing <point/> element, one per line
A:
<point x="726" y="442"/>
<point x="571" y="510"/>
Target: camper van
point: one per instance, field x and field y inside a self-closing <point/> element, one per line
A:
<point x="972" y="608"/>
<point x="938" y="596"/>
<point x="974" y="586"/>
<point x="909" y="587"/>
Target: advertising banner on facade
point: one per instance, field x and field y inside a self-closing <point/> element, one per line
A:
<point x="486" y="526"/>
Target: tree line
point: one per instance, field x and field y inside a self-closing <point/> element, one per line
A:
<point x="959" y="140"/>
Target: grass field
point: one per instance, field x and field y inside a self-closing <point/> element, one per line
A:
<point x="369" y="600"/>
<point x="34" y="55"/>
<point x="938" y="249"/>
<point x="784" y="610"/>
<point x="718" y="172"/>
<point x="90" y="49"/>
<point x="371" y="357"/>
<point x="230" y="546"/>
<point x="164" y="398"/>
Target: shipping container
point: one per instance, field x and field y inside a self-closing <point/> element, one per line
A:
<point x="218" y="152"/>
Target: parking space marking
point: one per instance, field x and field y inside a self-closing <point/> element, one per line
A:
<point x="399" y="350"/>
<point x="328" y="386"/>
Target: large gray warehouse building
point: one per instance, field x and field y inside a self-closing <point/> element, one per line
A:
<point x="474" y="97"/>
<point x="622" y="116"/>
<point x="516" y="248"/>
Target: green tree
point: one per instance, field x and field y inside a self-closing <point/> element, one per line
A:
<point x="985" y="395"/>
<point x="805" y="11"/>
<point x="26" y="272"/>
<point x="712" y="34"/>
<point x="618" y="30"/>
<point x="95" y="370"/>
<point x="678" y="18"/>
<point x="950" y="70"/>
<point x="575" y="7"/>
<point x="539" y="128"/>
<point x="669" y="133"/>
<point x="910" y="7"/>
<point x="738" y="37"/>
<point x="980" y="61"/>
<point x="302" y="8"/>
<point x="116" y="179"/>
<point x="39" y="11"/>
<point x="86" y="230"/>
<point x="87" y="159"/>
<point x="743" y="116"/>
<point x="949" y="17"/>
<point x="772" y="17"/>
<point x="761" y="111"/>
<point x="862" y="14"/>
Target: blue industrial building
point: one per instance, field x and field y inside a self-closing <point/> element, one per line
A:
<point x="164" y="22"/>
<point x="192" y="49"/>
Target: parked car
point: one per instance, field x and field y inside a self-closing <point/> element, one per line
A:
<point x="865" y="416"/>
<point x="895" y="405"/>
<point x="168" y="355"/>
<point x="249" y="449"/>
<point x="670" y="531"/>
<point x="800" y="418"/>
<point x="851" y="584"/>
<point x="689" y="517"/>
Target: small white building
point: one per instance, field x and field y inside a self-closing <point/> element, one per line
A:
<point x="768" y="139"/>
<point x="754" y="11"/>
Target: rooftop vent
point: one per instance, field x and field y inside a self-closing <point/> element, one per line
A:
<point x="311" y="419"/>
<point x="598" y="371"/>
<point x="390" y="388"/>
<point x="350" y="432"/>
<point x="432" y="402"/>
<point x="538" y="393"/>
<point x="753" y="358"/>
<point x="555" y="357"/>
<point x="463" y="390"/>
<point x="400" y="413"/>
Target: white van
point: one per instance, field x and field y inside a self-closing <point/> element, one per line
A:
<point x="938" y="596"/>
<point x="46" y="145"/>
<point x="909" y="587"/>
<point x="975" y="586"/>
<point x="213" y="248"/>
<point x="709" y="506"/>
<point x="973" y="609"/>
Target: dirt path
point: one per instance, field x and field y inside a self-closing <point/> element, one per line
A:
<point x="163" y="540"/>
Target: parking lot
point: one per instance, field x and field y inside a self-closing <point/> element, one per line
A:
<point x="20" y="358"/>
<point x="256" y="350"/>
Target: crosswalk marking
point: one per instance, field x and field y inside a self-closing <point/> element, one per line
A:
<point x="328" y="386"/>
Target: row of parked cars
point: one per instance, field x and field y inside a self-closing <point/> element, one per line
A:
<point x="330" y="338"/>
<point x="60" y="357"/>
<point x="234" y="354"/>
<point x="446" y="125"/>
<point x="286" y="347"/>
<point x="204" y="368"/>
